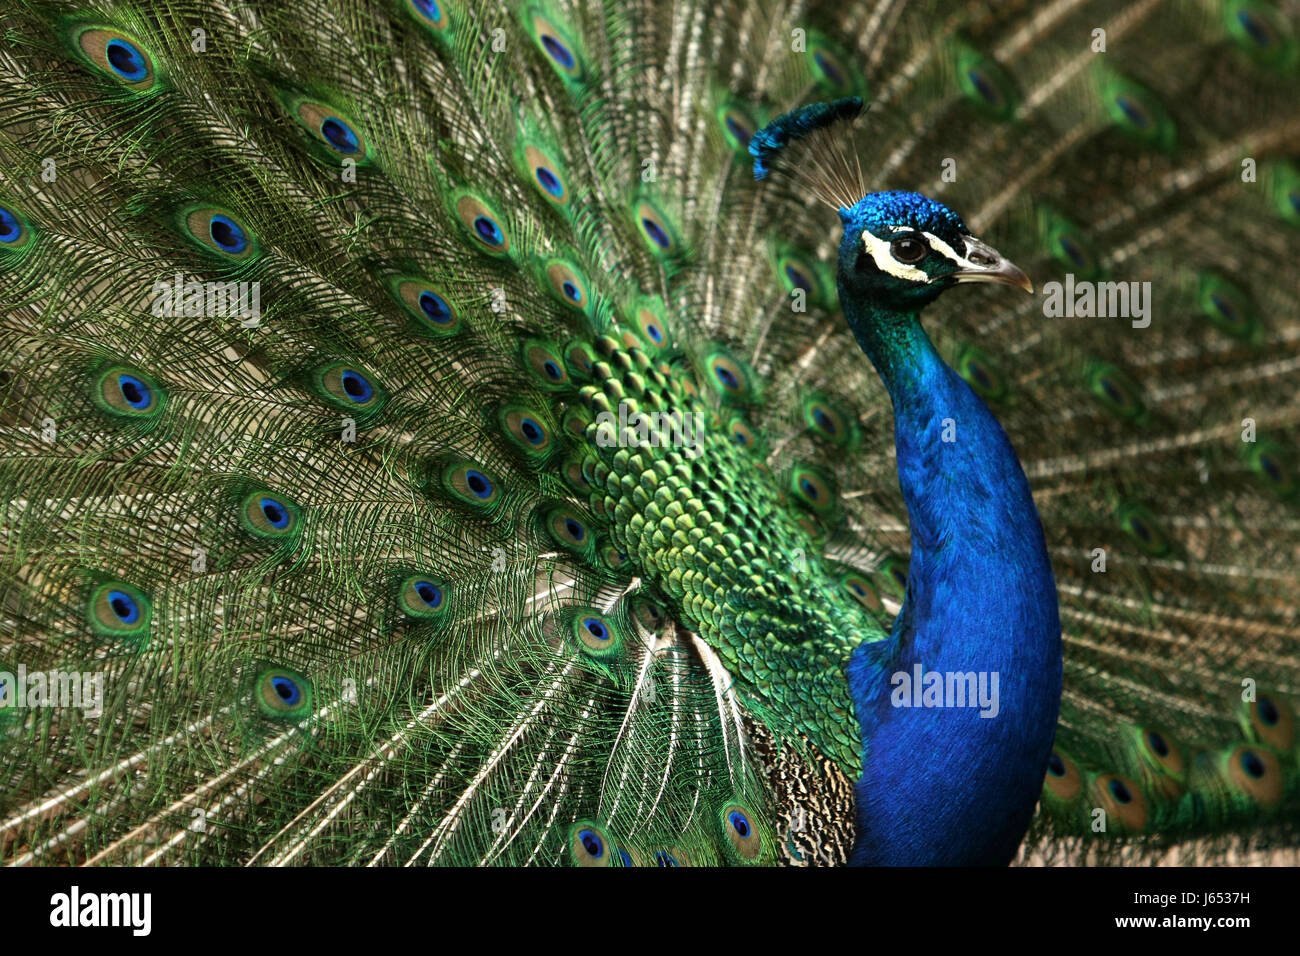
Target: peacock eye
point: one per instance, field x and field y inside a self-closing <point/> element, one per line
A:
<point x="908" y="249"/>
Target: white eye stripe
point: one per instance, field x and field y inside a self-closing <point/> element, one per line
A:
<point x="885" y="261"/>
<point x="947" y="251"/>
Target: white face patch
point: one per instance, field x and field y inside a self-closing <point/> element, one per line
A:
<point x="885" y="261"/>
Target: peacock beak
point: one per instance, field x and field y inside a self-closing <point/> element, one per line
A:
<point x="983" y="263"/>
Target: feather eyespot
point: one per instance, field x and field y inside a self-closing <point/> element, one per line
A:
<point x="128" y="393"/>
<point x="555" y="43"/>
<point x="742" y="434"/>
<point x="728" y="377"/>
<point x="829" y="67"/>
<point x="545" y="364"/>
<point x="483" y="224"/>
<point x="812" y="489"/>
<point x="122" y="57"/>
<point x="984" y="377"/>
<point x="527" y="429"/>
<point x="567" y="284"/>
<point x="1116" y="391"/>
<point x="580" y="359"/>
<point x="267" y="515"/>
<point x="828" y="421"/>
<point x="471" y="485"/>
<point x="1256" y="773"/>
<point x="431" y="309"/>
<point x="742" y="832"/>
<point x="1063" y="781"/>
<point x="649" y="614"/>
<point x="595" y="634"/>
<point x="659" y="233"/>
<point x="283" y="693"/>
<point x="589" y="846"/>
<point x="1271" y="720"/>
<point x="348" y="388"/>
<point x="119" y="610"/>
<point x="568" y="529"/>
<point x="14" y="232"/>
<point x="219" y="231"/>
<point x="330" y="128"/>
<point x="423" y="597"/>
<point x="1122" y="802"/>
<point x="738" y="129"/>
<point x="860" y="590"/>
<point x="430" y="13"/>
<point x="547" y="175"/>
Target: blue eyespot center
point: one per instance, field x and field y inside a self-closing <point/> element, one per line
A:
<point x="1253" y="766"/>
<point x="478" y="483"/>
<point x="1268" y="712"/>
<point x="1072" y="249"/>
<point x="1140" y="529"/>
<point x="824" y="421"/>
<point x="435" y="307"/>
<point x="656" y="334"/>
<point x="726" y="377"/>
<point x="739" y="823"/>
<point x="656" y="233"/>
<point x="592" y="843"/>
<point x="664" y="858"/>
<point x="226" y="234"/>
<point x="798" y="279"/>
<point x="1136" y="115"/>
<point x="286" y="689"/>
<point x="576" y="531"/>
<point x="1055" y="765"/>
<point x="558" y="51"/>
<point x="1120" y="792"/>
<point x="808" y="488"/>
<point x="742" y="133"/>
<point x="429" y="8"/>
<point x="982" y="86"/>
<point x="571" y="291"/>
<point x="552" y="370"/>
<point x="1256" y="30"/>
<point x="429" y="593"/>
<point x="126" y="61"/>
<point x="356" y="387"/>
<point x="488" y="231"/>
<point x="549" y="181"/>
<point x="135" y="392"/>
<point x="1159" y="746"/>
<point x="829" y="69"/>
<point x="1225" y="308"/>
<point x="622" y="855"/>
<point x="124" y="607"/>
<point x="596" y="628"/>
<point x="340" y="135"/>
<point x="276" y="514"/>
<point x="532" y="431"/>
<point x="9" y="228"/>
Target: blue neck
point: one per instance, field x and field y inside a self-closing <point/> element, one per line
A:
<point x="943" y="784"/>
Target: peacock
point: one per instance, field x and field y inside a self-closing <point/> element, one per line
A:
<point x="521" y="432"/>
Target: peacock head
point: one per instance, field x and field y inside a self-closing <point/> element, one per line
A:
<point x="901" y="250"/>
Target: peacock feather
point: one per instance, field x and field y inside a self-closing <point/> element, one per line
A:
<point x="459" y="431"/>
